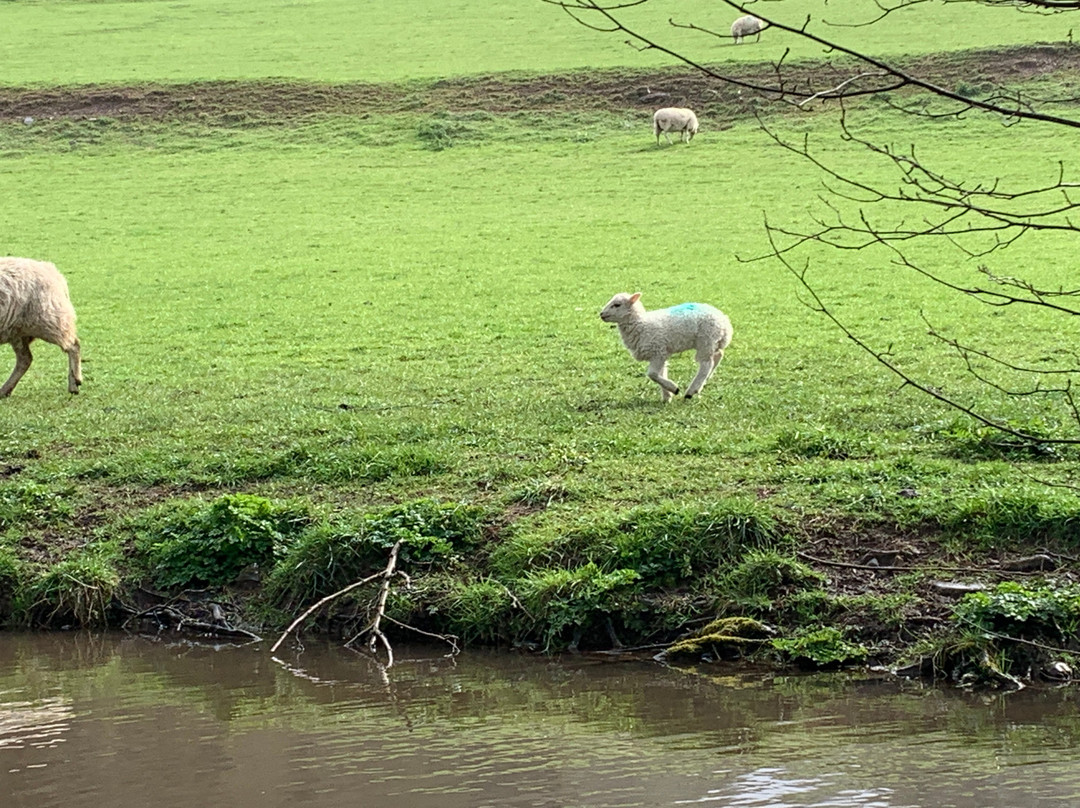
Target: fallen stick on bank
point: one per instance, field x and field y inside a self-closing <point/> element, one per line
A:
<point x="387" y="574"/>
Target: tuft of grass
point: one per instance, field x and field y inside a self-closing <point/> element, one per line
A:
<point x="973" y="441"/>
<point x="542" y="492"/>
<point x="346" y="462"/>
<point x="478" y="611"/>
<point x="822" y="647"/>
<point x="77" y="591"/>
<point x="664" y="544"/>
<point x="28" y="503"/>
<point x="330" y="556"/>
<point x="343" y="463"/>
<point x="567" y="604"/>
<point x="762" y="577"/>
<point x="1009" y="519"/>
<point x="814" y="442"/>
<point x="441" y="131"/>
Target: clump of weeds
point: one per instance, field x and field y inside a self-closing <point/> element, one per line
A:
<point x="193" y="542"/>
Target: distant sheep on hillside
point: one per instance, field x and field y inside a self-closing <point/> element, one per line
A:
<point x="675" y="119"/>
<point x="34" y="304"/>
<point x="656" y="336"/>
<point x="745" y="26"/>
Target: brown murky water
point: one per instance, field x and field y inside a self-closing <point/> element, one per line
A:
<point x="120" y="721"/>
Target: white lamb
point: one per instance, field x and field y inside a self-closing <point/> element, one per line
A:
<point x="745" y="26"/>
<point x="34" y="304"/>
<point x="675" y="119"/>
<point x="655" y="336"/>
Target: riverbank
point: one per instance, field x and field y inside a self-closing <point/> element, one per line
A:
<point x="817" y="593"/>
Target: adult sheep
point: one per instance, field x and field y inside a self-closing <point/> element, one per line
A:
<point x="675" y="119"/>
<point x="655" y="336"/>
<point x="745" y="26"/>
<point x="34" y="304"/>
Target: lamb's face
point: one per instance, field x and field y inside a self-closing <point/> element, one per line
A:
<point x="618" y="309"/>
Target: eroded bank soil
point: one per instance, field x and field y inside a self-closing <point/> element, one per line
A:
<point x="608" y="90"/>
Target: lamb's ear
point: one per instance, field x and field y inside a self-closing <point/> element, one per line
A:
<point x="634" y="298"/>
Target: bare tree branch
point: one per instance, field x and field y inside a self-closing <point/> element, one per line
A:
<point x="917" y="203"/>
<point x="815" y="303"/>
<point x="902" y="78"/>
<point x="310" y="611"/>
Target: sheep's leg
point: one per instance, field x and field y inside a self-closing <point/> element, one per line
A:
<point x="667" y="134"/>
<point x="658" y="373"/>
<point x="705" y="369"/>
<point x="706" y="366"/>
<point x="74" y="366"/>
<point x="23" y="358"/>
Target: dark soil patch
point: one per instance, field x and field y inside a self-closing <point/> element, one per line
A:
<point x="725" y="87"/>
<point x="871" y="559"/>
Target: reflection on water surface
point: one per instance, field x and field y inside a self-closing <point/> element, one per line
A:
<point x="123" y="721"/>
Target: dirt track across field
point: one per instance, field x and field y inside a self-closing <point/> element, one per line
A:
<point x="609" y="90"/>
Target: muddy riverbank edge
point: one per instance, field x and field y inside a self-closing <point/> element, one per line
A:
<point x="973" y="602"/>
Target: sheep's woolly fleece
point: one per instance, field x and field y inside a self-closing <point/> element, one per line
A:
<point x="35" y="304"/>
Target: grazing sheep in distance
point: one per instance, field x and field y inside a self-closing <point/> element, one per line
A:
<point x="675" y="119"/>
<point x="655" y="336"/>
<point x="34" y="304"/>
<point x="745" y="26"/>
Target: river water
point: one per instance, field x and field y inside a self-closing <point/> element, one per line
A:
<point x="118" y="721"/>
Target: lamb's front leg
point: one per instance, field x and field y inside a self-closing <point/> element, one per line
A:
<point x="705" y="369"/>
<point x="658" y="373"/>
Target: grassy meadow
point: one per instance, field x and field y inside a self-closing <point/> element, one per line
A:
<point x="397" y="40"/>
<point x="356" y="311"/>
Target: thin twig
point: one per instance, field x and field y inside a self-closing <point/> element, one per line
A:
<point x="833" y="91"/>
<point x="322" y="602"/>
<point x="449" y="639"/>
<point x="907" y="568"/>
<point x="373" y="629"/>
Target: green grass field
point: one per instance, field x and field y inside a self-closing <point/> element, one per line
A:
<point x="394" y="40"/>
<point x="360" y="310"/>
<point x="234" y="295"/>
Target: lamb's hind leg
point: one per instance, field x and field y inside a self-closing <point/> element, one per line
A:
<point x="658" y="373"/>
<point x="706" y="367"/>
<point x="23" y="358"/>
<point x="74" y="366"/>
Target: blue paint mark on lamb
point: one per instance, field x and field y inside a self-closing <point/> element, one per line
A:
<point x="685" y="310"/>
